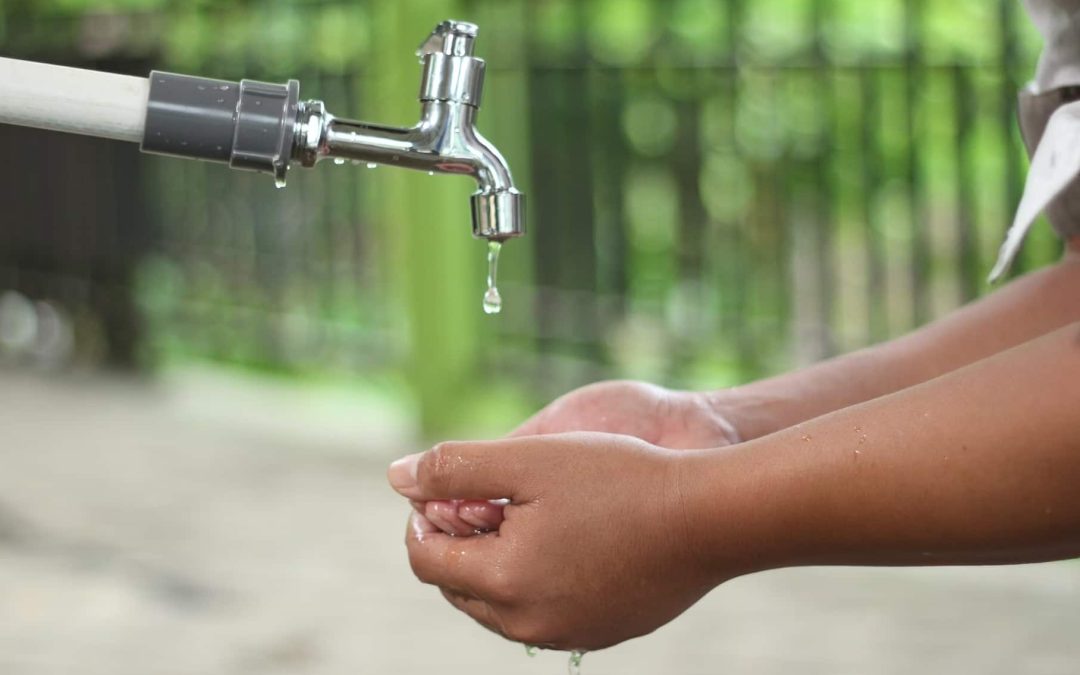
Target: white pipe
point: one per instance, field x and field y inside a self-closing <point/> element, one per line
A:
<point x="76" y="101"/>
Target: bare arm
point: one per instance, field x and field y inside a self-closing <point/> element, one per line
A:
<point x="607" y="538"/>
<point x="1025" y="309"/>
<point x="981" y="466"/>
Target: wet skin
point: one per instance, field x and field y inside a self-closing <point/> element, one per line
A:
<point x="956" y="444"/>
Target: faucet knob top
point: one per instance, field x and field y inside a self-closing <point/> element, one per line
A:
<point x="453" y="38"/>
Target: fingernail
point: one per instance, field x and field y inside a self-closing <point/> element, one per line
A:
<point x="402" y="473"/>
<point x="421" y="527"/>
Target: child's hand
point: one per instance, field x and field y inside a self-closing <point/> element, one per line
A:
<point x="662" y="417"/>
<point x="668" y="419"/>
<point x="598" y="545"/>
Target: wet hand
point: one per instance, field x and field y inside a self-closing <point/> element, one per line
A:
<point x="679" y="420"/>
<point x="663" y="417"/>
<point x="595" y="548"/>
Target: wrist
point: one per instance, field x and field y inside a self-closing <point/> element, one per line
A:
<point x="748" y="414"/>
<point x="742" y="510"/>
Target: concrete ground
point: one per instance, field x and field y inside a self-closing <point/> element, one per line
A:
<point x="209" y="524"/>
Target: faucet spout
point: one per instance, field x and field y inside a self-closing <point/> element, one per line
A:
<point x="444" y="141"/>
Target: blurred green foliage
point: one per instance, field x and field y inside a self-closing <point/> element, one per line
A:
<point x="720" y="189"/>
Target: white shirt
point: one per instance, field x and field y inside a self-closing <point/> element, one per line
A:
<point x="1059" y="23"/>
<point x="1050" y="119"/>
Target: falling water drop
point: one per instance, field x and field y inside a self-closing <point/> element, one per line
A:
<point x="574" y="667"/>
<point x="531" y="651"/>
<point x="492" y="299"/>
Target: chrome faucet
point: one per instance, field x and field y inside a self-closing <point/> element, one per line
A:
<point x="444" y="141"/>
<point x="263" y="127"/>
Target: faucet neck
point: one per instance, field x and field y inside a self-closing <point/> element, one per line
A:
<point x="445" y="140"/>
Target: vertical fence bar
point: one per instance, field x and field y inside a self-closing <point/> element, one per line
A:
<point x="914" y="82"/>
<point x="877" y="286"/>
<point x="735" y="272"/>
<point x="1013" y="178"/>
<point x="969" y="260"/>
<point x="825" y="192"/>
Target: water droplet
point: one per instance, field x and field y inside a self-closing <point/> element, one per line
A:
<point x="531" y="651"/>
<point x="339" y="161"/>
<point x="492" y="299"/>
<point x="258" y="102"/>
<point x="372" y="165"/>
<point x="431" y="173"/>
<point x="574" y="667"/>
<point x="224" y="87"/>
<point x="202" y="87"/>
<point x="279" y="183"/>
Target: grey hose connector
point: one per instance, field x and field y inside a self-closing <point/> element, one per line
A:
<point x="249" y="125"/>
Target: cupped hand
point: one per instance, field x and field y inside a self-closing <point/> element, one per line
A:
<point x="596" y="547"/>
<point x="679" y="420"/>
<point x="666" y="418"/>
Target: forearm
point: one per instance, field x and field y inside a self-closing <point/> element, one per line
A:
<point x="980" y="466"/>
<point x="1029" y="307"/>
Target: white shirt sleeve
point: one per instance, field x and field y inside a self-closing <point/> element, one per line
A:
<point x="1053" y="182"/>
<point x="1059" y="23"/>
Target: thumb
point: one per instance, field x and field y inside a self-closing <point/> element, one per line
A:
<point x="474" y="471"/>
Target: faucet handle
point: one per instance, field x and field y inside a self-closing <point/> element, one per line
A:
<point x="453" y="38"/>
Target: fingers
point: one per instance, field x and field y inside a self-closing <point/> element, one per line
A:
<point x="484" y="516"/>
<point x="462" y="565"/>
<point x="493" y="470"/>
<point x="420" y="527"/>
<point x="462" y="518"/>
<point x="446" y="516"/>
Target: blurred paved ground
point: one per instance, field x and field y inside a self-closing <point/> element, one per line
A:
<point x="212" y="525"/>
